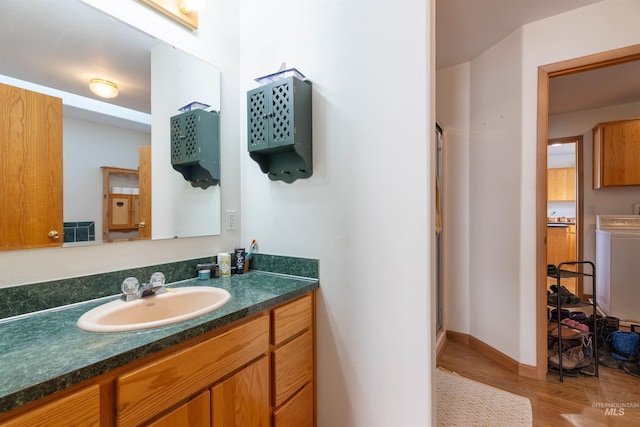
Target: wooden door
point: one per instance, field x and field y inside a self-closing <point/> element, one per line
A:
<point x="30" y="169"/>
<point x="144" y="184"/>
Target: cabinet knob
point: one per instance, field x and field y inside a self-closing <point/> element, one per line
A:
<point x="53" y="234"/>
<point x="142" y="224"/>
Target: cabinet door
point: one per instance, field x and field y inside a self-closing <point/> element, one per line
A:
<point x="557" y="246"/>
<point x="561" y="184"/>
<point x="616" y="154"/>
<point x="621" y="154"/>
<point x="194" y="413"/>
<point x="270" y="111"/>
<point x="30" y="169"/>
<point x="257" y="115"/>
<point x="281" y="119"/>
<point x="243" y="399"/>
<point x="120" y="211"/>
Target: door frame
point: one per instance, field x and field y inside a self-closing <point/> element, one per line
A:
<point x="545" y="72"/>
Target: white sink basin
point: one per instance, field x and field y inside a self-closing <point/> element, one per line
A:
<point x="176" y="305"/>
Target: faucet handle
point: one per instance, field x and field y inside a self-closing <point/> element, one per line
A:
<point x="157" y="279"/>
<point x="130" y="286"/>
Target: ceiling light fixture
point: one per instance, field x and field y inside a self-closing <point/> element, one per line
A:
<point x="103" y="88"/>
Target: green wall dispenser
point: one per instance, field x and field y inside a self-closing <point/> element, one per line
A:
<point x="195" y="147"/>
<point x="279" y="129"/>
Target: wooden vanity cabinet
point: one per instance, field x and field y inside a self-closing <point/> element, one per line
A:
<point x="616" y="154"/>
<point x="79" y="408"/>
<point x="293" y="364"/>
<point x="146" y="392"/>
<point x="258" y="372"/>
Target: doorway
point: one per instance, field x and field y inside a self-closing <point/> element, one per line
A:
<point x="545" y="73"/>
<point x="565" y="202"/>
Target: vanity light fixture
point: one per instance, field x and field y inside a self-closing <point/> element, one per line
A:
<point x="189" y="6"/>
<point x="184" y="12"/>
<point x="103" y="88"/>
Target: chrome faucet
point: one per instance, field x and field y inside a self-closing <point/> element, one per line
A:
<point x="132" y="290"/>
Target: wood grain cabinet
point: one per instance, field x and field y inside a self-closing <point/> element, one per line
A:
<point x="616" y="154"/>
<point x="79" y="408"/>
<point x="257" y="373"/>
<point x="293" y="359"/>
<point x="561" y="184"/>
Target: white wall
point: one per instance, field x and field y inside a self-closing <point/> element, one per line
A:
<point x="87" y="147"/>
<point x="502" y="268"/>
<point x="365" y="211"/>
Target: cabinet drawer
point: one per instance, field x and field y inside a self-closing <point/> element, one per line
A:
<point x="81" y="408"/>
<point x="147" y="391"/>
<point x="291" y="319"/>
<point x="298" y="412"/>
<point x="293" y="367"/>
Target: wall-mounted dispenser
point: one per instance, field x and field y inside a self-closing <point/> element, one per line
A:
<point x="279" y="128"/>
<point x="195" y="147"/>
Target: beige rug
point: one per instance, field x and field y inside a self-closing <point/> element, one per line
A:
<point x="464" y="402"/>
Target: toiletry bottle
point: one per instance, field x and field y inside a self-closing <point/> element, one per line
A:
<point x="224" y="261"/>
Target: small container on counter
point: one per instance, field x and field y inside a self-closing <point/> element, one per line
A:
<point x="204" y="274"/>
<point x="224" y="261"/>
<point x="239" y="260"/>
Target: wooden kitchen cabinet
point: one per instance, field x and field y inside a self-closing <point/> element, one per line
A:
<point x="557" y="245"/>
<point x="616" y="154"/>
<point x="31" y="171"/>
<point x="561" y="184"/>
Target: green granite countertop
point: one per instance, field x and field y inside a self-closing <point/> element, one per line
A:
<point x="44" y="352"/>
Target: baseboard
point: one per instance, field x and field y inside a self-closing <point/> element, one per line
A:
<point x="493" y="354"/>
<point x="441" y="342"/>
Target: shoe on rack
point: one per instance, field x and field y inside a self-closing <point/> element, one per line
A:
<point x="571" y="359"/>
<point x="631" y="368"/>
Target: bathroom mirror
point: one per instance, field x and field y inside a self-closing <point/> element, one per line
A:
<point x="75" y="43"/>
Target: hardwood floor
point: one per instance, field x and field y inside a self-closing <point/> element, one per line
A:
<point x="578" y="401"/>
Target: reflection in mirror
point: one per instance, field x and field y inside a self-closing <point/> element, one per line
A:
<point x="109" y="133"/>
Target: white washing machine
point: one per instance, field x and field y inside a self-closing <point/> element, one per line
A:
<point x="618" y="266"/>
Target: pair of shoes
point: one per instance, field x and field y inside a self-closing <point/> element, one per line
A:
<point x="575" y="324"/>
<point x="571" y="359"/>
<point x="565" y="293"/>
